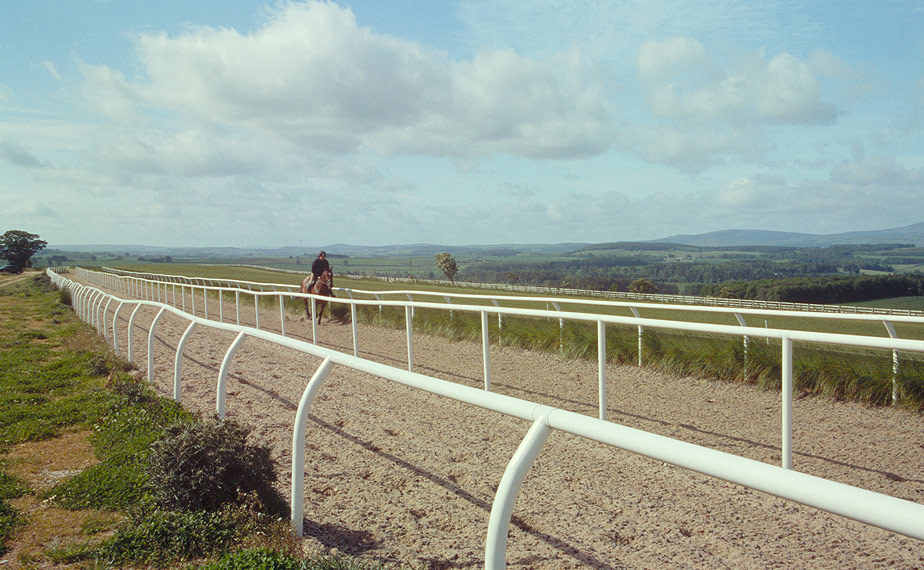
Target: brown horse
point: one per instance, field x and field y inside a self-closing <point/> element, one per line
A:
<point x="323" y="286"/>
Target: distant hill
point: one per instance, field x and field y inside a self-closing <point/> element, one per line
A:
<point x="395" y="250"/>
<point x="725" y="238"/>
<point x="907" y="234"/>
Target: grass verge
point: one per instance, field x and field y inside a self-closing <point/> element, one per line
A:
<point x="58" y="381"/>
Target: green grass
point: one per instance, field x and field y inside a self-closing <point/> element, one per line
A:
<point x="912" y="303"/>
<point x="57" y="375"/>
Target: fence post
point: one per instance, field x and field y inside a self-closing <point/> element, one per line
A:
<point x="495" y="550"/>
<point x="282" y="315"/>
<point x="786" y="390"/>
<point x="131" y="320"/>
<point x="895" y="365"/>
<point x="115" y="331"/>
<point x="410" y="338"/>
<point x="314" y="320"/>
<point x="561" y="329"/>
<point x="641" y="331"/>
<point x="178" y="366"/>
<point x="151" y="344"/>
<point x="297" y="497"/>
<point x="601" y="365"/>
<point x="500" y="317"/>
<point x="485" y="350"/>
<point x="221" y="391"/>
<point x="355" y="331"/>
<point x="102" y="321"/>
<point x="256" y="311"/>
<point x="742" y="322"/>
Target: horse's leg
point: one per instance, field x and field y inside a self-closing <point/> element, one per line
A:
<point x="307" y="309"/>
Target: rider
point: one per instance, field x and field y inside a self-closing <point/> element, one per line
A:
<point x="318" y="267"/>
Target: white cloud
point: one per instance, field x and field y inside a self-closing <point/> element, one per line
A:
<point x="682" y="82"/>
<point x="876" y="170"/>
<point x="313" y="77"/>
<point x="691" y="149"/>
<point x="107" y="91"/>
<point x="29" y="208"/>
<point x="52" y="70"/>
<point x="671" y="56"/>
<point x="17" y="155"/>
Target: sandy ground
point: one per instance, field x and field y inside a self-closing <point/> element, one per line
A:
<point x="398" y="475"/>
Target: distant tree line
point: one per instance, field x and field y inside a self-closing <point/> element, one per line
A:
<point x="840" y="289"/>
<point x="616" y="273"/>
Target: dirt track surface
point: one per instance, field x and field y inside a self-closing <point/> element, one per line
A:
<point x="398" y="475"/>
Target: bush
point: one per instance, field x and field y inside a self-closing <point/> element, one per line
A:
<point x="206" y="465"/>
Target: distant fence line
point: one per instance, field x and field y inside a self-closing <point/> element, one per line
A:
<point x="653" y="297"/>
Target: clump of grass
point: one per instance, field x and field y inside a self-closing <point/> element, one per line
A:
<point x="264" y="559"/>
<point x="162" y="537"/>
<point x="208" y="464"/>
<point x="10" y="520"/>
<point x="339" y="312"/>
<point x="122" y="441"/>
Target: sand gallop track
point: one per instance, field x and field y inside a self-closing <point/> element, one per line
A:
<point x="398" y="475"/>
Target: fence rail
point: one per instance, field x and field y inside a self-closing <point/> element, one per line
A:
<point x="738" y="313"/>
<point x="626" y="295"/>
<point x="905" y="517"/>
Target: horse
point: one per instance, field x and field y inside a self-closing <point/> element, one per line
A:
<point x="323" y="286"/>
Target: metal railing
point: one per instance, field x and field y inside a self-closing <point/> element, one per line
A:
<point x="149" y="289"/>
<point x="647" y="298"/>
<point x="905" y="517"/>
<point x="635" y="307"/>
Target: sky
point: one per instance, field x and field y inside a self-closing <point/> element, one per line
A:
<point x="254" y="124"/>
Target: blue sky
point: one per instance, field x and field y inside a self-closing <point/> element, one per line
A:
<point x="309" y="123"/>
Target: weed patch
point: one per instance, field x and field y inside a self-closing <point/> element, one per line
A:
<point x="161" y="537"/>
<point x="208" y="464"/>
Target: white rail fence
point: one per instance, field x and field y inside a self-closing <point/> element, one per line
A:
<point x="897" y="515"/>
<point x="650" y="297"/>
<point x="159" y="290"/>
<point x="145" y="284"/>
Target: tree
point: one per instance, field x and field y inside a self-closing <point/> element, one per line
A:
<point x="17" y="246"/>
<point x="643" y="286"/>
<point x="447" y="265"/>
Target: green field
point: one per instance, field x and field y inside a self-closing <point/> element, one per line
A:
<point x="909" y="303"/>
